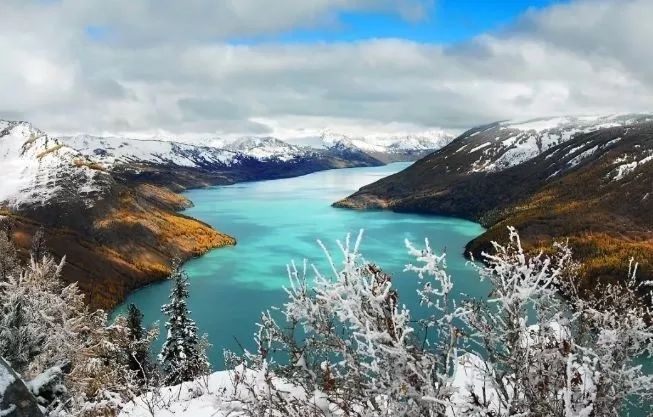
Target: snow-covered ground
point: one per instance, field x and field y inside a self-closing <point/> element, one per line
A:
<point x="627" y="164"/>
<point x="217" y="395"/>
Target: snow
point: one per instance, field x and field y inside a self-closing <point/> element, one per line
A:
<point x="479" y="147"/>
<point x="521" y="141"/>
<point x="215" y="395"/>
<point x="6" y="379"/>
<point x="472" y="375"/>
<point x="112" y="151"/>
<point x="267" y="148"/>
<point x="581" y="156"/>
<point x="626" y="168"/>
<point x="390" y="143"/>
<point x="539" y="125"/>
<point x="36" y="385"/>
<point x="35" y="167"/>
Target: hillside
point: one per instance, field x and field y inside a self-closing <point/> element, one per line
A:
<point x="116" y="236"/>
<point x="585" y="179"/>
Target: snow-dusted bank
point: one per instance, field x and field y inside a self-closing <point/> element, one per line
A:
<point x="223" y="393"/>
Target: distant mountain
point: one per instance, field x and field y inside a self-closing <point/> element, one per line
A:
<point x="116" y="151"/>
<point x="389" y="148"/>
<point x="183" y="165"/>
<point x="587" y="179"/>
<point x="267" y="148"/>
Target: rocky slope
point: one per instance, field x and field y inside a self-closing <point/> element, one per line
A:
<point x="587" y="179"/>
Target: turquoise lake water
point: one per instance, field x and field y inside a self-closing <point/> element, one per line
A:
<point x="277" y="221"/>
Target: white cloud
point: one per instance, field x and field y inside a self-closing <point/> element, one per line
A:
<point x="164" y="67"/>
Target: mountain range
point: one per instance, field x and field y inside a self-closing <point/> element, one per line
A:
<point x="587" y="180"/>
<point x="111" y="204"/>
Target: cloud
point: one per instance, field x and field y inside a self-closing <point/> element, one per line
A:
<point x="127" y="67"/>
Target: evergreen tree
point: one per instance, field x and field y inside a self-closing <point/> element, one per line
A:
<point x="38" y="249"/>
<point x="20" y="341"/>
<point x="9" y="264"/>
<point x="139" y="344"/>
<point x="183" y="356"/>
<point x="135" y="322"/>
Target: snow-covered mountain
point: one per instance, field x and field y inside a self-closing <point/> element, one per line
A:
<point x="267" y="148"/>
<point x="36" y="168"/>
<point x="501" y="145"/>
<point x="115" y="151"/>
<point x="388" y="147"/>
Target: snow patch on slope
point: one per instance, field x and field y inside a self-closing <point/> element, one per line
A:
<point x="626" y="168"/>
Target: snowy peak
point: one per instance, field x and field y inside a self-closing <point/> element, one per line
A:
<point x="391" y="144"/>
<point x="113" y="151"/>
<point x="37" y="168"/>
<point x="267" y="148"/>
<point x="501" y="145"/>
<point x="580" y="123"/>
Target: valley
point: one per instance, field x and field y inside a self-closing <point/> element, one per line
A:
<point x="113" y="206"/>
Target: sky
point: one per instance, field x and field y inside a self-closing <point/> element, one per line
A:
<point x="294" y="68"/>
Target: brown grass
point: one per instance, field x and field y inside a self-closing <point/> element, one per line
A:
<point x="89" y="164"/>
<point x="163" y="195"/>
<point x="48" y="151"/>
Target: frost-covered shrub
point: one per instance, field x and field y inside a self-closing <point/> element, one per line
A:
<point x="75" y="361"/>
<point x="345" y="345"/>
<point x="350" y="345"/>
<point x="549" y="356"/>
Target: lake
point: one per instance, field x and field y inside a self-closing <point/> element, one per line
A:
<point x="277" y="221"/>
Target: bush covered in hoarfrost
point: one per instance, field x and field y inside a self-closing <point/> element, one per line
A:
<point x="348" y="347"/>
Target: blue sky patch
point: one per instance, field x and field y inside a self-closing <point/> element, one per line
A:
<point x="449" y="21"/>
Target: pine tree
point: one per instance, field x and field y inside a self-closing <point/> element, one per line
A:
<point x="20" y="341"/>
<point x="183" y="356"/>
<point x="38" y="249"/>
<point x="9" y="264"/>
<point x="139" y="344"/>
